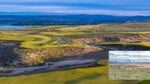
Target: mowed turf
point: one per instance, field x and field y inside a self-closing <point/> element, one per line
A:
<point x="40" y="39"/>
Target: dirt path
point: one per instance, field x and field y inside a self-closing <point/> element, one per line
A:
<point x="49" y="65"/>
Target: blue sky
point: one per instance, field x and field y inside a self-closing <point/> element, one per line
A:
<point x="129" y="56"/>
<point x="106" y="7"/>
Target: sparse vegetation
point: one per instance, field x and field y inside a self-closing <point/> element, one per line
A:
<point x="37" y="44"/>
<point x="129" y="71"/>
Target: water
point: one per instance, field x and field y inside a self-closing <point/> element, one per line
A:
<point x="12" y="26"/>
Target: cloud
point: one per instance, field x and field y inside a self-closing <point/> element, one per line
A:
<point x="70" y="10"/>
<point x="129" y="56"/>
<point x="107" y="7"/>
<point x="108" y="12"/>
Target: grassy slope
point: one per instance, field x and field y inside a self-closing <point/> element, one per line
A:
<point x="48" y="34"/>
<point x="92" y="75"/>
<point x="39" y="39"/>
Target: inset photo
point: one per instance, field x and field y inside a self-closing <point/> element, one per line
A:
<point x="129" y="65"/>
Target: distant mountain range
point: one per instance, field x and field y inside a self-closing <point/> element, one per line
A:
<point x="66" y="19"/>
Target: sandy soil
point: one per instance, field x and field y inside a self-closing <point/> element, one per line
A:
<point x="129" y="71"/>
<point x="138" y="66"/>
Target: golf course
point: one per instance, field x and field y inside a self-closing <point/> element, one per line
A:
<point x="38" y="48"/>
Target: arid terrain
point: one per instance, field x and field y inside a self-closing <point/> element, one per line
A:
<point x="129" y="71"/>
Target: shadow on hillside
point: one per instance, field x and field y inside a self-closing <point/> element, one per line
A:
<point x="10" y="57"/>
<point x="7" y="52"/>
<point x="97" y="56"/>
<point x="126" y="47"/>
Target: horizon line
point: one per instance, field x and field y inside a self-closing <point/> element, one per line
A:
<point x="74" y="14"/>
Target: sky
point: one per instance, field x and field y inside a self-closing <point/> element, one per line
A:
<point x="102" y="7"/>
<point x="129" y="56"/>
